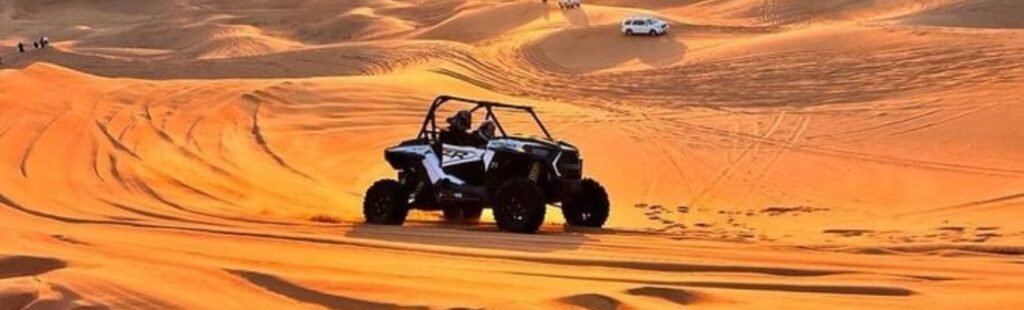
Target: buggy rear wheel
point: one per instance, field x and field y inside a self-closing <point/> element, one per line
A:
<point x="385" y="203"/>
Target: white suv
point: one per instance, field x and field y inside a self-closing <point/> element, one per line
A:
<point x="568" y="4"/>
<point x="644" y="25"/>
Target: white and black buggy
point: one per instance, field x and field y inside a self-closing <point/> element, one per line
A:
<point x="516" y="176"/>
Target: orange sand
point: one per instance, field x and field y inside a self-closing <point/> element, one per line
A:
<point x="773" y="154"/>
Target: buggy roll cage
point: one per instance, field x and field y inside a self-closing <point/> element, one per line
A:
<point x="429" y="129"/>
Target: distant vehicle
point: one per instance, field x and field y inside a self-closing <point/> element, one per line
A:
<point x="568" y="4"/>
<point x="514" y="175"/>
<point x="644" y="25"/>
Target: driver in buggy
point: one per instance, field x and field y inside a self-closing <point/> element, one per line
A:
<point x="458" y="133"/>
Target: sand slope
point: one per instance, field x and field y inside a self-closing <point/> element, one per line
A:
<point x="764" y="154"/>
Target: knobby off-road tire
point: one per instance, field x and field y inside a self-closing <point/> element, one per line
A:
<point x="519" y="206"/>
<point x="589" y="207"/>
<point x="386" y="203"/>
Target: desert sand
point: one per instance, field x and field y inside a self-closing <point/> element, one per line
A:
<point x="777" y="154"/>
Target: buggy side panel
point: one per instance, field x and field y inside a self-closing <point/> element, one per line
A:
<point x="419" y="157"/>
<point x="465" y="163"/>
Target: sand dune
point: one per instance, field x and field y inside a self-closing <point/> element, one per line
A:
<point x="484" y="23"/>
<point x="562" y="51"/>
<point x="971" y="14"/>
<point x="41" y="9"/>
<point x="764" y="154"/>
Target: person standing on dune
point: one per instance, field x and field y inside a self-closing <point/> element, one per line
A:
<point x="21" y="47"/>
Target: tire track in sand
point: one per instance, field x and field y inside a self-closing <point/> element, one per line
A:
<point x="834" y="289"/>
<point x="115" y="296"/>
<point x="279" y="286"/>
<point x="23" y="163"/>
<point x="261" y="141"/>
<point x="639" y="265"/>
<point x="732" y="167"/>
<point x="759" y="179"/>
<point x="861" y="156"/>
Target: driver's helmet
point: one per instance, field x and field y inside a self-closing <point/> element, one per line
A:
<point x="487" y="129"/>
<point x="460" y="121"/>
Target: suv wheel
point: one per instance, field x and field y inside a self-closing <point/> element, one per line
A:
<point x="629" y="32"/>
<point x="654" y="33"/>
<point x="385" y="203"/>
<point x="519" y="206"/>
<point x="587" y="208"/>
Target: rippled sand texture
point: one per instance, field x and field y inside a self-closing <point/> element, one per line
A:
<point x="764" y="154"/>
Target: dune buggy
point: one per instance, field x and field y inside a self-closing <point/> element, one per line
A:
<point x="515" y="175"/>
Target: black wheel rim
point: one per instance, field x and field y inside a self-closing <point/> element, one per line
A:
<point x="516" y="210"/>
<point x="585" y="215"/>
<point x="380" y="207"/>
<point x="583" y="210"/>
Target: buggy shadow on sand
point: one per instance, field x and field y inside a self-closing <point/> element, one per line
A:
<point x="516" y="176"/>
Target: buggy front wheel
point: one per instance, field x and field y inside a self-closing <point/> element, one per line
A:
<point x="587" y="208"/>
<point x="519" y="206"/>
